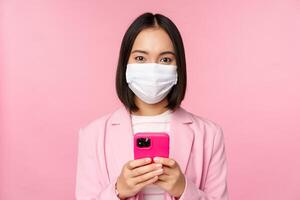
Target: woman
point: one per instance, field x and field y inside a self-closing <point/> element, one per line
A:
<point x="151" y="83"/>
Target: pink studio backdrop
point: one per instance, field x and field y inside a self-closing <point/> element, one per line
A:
<point x="58" y="62"/>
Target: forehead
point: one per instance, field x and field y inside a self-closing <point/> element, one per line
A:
<point x="153" y="40"/>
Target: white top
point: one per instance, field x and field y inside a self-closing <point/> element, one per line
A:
<point x="154" y="123"/>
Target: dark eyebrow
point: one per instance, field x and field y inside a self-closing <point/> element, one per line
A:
<point x="162" y="53"/>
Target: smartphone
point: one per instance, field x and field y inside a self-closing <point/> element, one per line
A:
<point x="151" y="144"/>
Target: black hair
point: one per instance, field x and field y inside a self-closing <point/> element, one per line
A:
<point x="149" y="20"/>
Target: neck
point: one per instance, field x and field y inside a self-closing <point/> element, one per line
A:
<point x="150" y="109"/>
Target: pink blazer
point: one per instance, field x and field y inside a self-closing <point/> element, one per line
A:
<point x="196" y="143"/>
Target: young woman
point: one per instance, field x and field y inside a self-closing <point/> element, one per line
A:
<point x="151" y="83"/>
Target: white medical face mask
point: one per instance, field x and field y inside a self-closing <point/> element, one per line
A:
<point x="151" y="82"/>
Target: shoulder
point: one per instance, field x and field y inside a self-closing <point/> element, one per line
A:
<point x="95" y="126"/>
<point x="204" y="124"/>
<point x="207" y="131"/>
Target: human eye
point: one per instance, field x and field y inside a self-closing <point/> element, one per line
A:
<point x="139" y="58"/>
<point x="166" y="60"/>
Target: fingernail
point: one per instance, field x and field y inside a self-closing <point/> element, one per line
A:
<point x="156" y="159"/>
<point x="148" y="159"/>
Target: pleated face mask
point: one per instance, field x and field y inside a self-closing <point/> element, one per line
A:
<point x="151" y="82"/>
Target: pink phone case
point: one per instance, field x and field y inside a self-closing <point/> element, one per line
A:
<point x="151" y="144"/>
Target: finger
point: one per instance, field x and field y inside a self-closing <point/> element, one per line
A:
<point x="145" y="169"/>
<point x="165" y="161"/>
<point x="139" y="162"/>
<point x="163" y="177"/>
<point x="147" y="176"/>
<point x="143" y="184"/>
<point x="168" y="170"/>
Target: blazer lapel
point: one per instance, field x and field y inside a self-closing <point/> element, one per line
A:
<point x="181" y="137"/>
<point x="119" y="141"/>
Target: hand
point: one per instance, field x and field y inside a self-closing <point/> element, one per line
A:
<point x="135" y="175"/>
<point x="172" y="180"/>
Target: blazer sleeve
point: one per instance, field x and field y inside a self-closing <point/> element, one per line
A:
<point x="216" y="182"/>
<point x="88" y="177"/>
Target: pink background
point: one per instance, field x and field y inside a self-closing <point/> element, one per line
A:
<point x="58" y="61"/>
